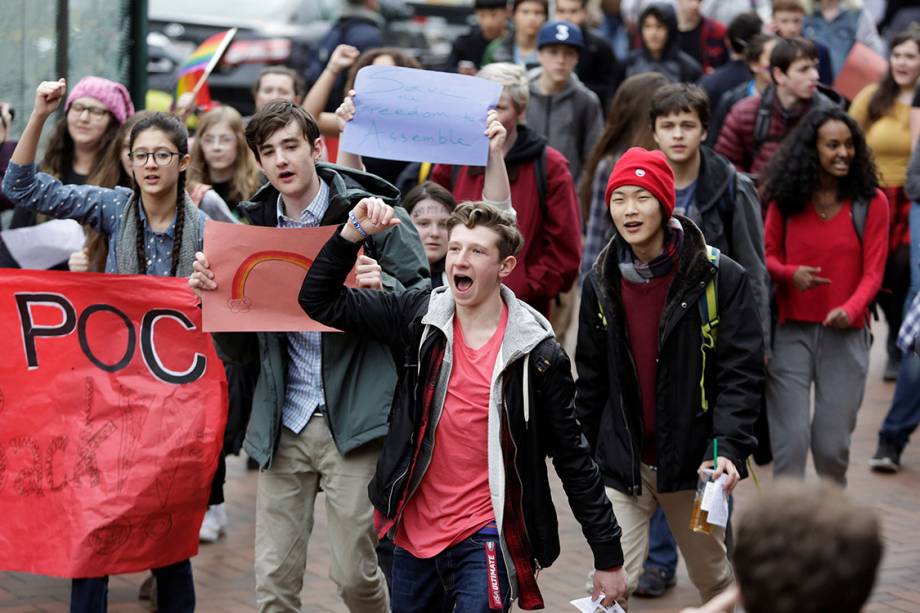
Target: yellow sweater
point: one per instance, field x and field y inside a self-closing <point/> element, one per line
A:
<point x="888" y="137"/>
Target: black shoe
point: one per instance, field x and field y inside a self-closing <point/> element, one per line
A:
<point x="654" y="582"/>
<point x="887" y="458"/>
<point x="892" y="367"/>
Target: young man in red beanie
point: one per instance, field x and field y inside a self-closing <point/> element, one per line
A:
<point x="652" y="399"/>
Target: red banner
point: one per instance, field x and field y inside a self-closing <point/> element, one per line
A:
<point x="112" y="412"/>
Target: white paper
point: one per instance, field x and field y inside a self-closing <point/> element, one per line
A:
<point x="587" y="605"/>
<point x="718" y="509"/>
<point x="41" y="247"/>
<point x="708" y="492"/>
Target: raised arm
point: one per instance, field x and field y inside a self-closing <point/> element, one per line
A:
<point x="96" y="207"/>
<point x="341" y="60"/>
<point x="48" y="98"/>
<point x="497" y="188"/>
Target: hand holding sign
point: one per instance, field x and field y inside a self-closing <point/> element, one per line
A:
<point x="419" y="115"/>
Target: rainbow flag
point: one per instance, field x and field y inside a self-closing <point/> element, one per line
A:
<point x="194" y="67"/>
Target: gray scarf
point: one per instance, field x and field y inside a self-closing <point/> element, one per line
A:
<point x="126" y="252"/>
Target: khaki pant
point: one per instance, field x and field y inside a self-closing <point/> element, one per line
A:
<point x="705" y="554"/>
<point x="284" y="520"/>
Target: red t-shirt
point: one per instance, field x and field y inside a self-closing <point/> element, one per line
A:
<point x="855" y="269"/>
<point x="644" y="303"/>
<point x="453" y="500"/>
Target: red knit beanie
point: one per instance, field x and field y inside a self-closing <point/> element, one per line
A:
<point x="646" y="169"/>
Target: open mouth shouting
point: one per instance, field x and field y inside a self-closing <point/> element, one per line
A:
<point x="462" y="284"/>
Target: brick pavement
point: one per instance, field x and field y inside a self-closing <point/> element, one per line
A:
<point x="223" y="572"/>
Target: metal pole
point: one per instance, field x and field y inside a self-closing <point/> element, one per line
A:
<point x="138" y="53"/>
<point x="61" y="63"/>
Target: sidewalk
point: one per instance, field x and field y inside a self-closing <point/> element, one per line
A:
<point x="223" y="572"/>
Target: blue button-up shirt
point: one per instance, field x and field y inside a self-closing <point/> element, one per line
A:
<point x="97" y="207"/>
<point x="304" y="389"/>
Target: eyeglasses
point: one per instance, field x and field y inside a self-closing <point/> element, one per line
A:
<point x="160" y="158"/>
<point x="210" y="141"/>
<point x="96" y="112"/>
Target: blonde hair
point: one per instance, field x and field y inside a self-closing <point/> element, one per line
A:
<point x="478" y="213"/>
<point x="512" y="78"/>
<point x="246" y="179"/>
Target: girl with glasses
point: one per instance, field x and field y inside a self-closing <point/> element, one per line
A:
<point x="153" y="229"/>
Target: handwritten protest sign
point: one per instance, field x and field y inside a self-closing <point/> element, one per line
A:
<point x="420" y="116"/>
<point x="259" y="272"/>
<point x="112" y="412"/>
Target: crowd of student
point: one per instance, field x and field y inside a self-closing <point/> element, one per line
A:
<point x="725" y="219"/>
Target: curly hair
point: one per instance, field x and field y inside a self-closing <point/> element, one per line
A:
<point x="246" y="177"/>
<point x="792" y="176"/>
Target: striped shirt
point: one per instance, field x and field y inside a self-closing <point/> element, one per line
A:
<point x="304" y="389"/>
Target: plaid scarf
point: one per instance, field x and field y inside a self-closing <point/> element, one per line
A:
<point x="642" y="272"/>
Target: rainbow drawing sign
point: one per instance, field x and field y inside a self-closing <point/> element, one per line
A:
<point x="259" y="272"/>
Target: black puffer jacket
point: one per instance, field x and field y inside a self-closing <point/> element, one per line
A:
<point x="608" y="402"/>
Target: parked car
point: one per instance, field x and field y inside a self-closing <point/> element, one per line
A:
<point x="281" y="32"/>
<point x="276" y="32"/>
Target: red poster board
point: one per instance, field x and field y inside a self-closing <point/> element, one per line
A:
<point x="863" y="67"/>
<point x="259" y="272"/>
<point x="112" y="412"/>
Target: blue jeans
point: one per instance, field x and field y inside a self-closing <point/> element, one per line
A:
<point x="175" y="591"/>
<point x="457" y="579"/>
<point x="904" y="414"/>
<point x="662" y="549"/>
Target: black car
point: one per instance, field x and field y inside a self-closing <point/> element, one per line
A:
<point x="276" y="32"/>
<point x="271" y="32"/>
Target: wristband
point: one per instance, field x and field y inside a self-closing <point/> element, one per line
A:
<point x="356" y="225"/>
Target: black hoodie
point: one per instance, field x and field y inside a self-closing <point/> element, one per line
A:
<point x="674" y="63"/>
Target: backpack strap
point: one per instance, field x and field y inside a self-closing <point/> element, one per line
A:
<point x="762" y="121"/>
<point x="859" y="210"/>
<point x="709" y="318"/>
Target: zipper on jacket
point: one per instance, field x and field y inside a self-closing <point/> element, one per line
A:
<point x="634" y="473"/>
<point x="412" y="436"/>
<point x="521" y="484"/>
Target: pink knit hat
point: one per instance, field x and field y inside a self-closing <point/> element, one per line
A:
<point x="113" y="95"/>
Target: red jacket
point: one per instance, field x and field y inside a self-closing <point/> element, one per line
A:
<point x="712" y="42"/>
<point x="548" y="263"/>
<point x="736" y="140"/>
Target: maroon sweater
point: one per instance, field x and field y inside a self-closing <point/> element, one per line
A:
<point x="644" y="304"/>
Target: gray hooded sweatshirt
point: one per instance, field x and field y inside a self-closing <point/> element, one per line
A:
<point x="570" y="120"/>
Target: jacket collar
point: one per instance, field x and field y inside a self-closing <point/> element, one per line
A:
<point x="715" y="175"/>
<point x="526" y="327"/>
<point x="693" y="264"/>
<point x="346" y="188"/>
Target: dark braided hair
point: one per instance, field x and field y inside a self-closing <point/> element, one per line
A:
<point x="178" y="135"/>
<point x="792" y="176"/>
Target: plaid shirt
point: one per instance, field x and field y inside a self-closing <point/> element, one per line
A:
<point x="600" y="226"/>
<point x="304" y="389"/>
<point x="910" y="328"/>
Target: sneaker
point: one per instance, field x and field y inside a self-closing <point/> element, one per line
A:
<point x="892" y="368"/>
<point x="214" y="524"/>
<point x="654" y="582"/>
<point x="887" y="458"/>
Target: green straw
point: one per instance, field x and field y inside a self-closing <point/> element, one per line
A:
<point x="715" y="454"/>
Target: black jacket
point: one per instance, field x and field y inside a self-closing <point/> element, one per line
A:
<point x="675" y="64"/>
<point x="411" y="324"/>
<point x="598" y="67"/>
<point x="608" y="402"/>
